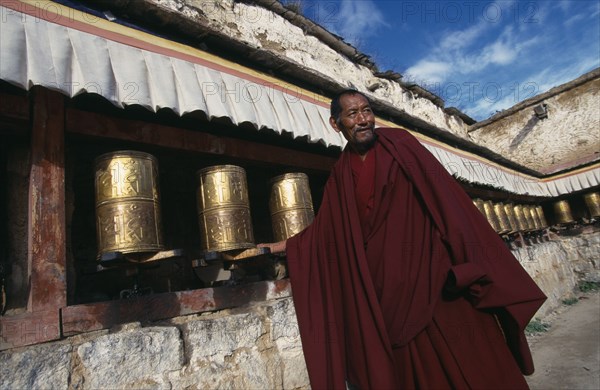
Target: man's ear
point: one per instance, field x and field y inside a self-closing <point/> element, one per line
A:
<point x="333" y="124"/>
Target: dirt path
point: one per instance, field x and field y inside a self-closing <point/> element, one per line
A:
<point x="568" y="355"/>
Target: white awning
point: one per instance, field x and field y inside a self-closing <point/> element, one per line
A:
<point x="63" y="50"/>
<point x="39" y="52"/>
<point x="476" y="170"/>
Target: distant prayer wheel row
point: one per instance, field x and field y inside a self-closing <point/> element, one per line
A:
<point x="564" y="214"/>
<point x="128" y="205"/>
<point x="592" y="201"/>
<point x="510" y="218"/>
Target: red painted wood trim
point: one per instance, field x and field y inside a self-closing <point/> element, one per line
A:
<point x="103" y="315"/>
<point x="14" y="114"/>
<point x="29" y="328"/>
<point x="98" y="125"/>
<point x="14" y="107"/>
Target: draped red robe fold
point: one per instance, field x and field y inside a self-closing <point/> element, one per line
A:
<point x="369" y="302"/>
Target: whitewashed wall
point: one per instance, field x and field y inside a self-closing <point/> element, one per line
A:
<point x="568" y="137"/>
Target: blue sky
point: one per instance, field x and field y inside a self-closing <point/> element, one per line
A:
<point x="479" y="56"/>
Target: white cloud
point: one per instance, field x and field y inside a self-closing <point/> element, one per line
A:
<point x="359" y="19"/>
<point x="487" y="107"/>
<point x="428" y="72"/>
<point x="574" y="19"/>
<point x="460" y="53"/>
<point x="461" y="39"/>
<point x="500" y="53"/>
<point x="506" y="49"/>
<point x="551" y="77"/>
<point x="595" y="10"/>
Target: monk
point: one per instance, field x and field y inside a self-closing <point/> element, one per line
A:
<point x="400" y="282"/>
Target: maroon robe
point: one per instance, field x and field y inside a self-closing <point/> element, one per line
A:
<point x="403" y="299"/>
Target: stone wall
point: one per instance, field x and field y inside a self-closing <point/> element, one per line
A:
<point x="568" y="137"/>
<point x="560" y="264"/>
<point x="252" y="347"/>
<point x="257" y="347"/>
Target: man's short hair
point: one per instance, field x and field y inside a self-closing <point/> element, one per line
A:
<point x="336" y="108"/>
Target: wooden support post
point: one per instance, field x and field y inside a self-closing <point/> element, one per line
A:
<point x="47" y="230"/>
<point x="46" y="239"/>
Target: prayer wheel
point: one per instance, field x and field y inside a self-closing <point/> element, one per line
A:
<point x="536" y="218"/>
<point x="290" y="205"/>
<point x="562" y="212"/>
<point x="520" y="217"/>
<point x="488" y="208"/>
<point x="479" y="204"/>
<point x="224" y="209"/>
<point x="503" y="221"/>
<point x="592" y="201"/>
<point x="542" y="217"/>
<point x="127" y="203"/>
<point x="512" y="219"/>
<point x="528" y="218"/>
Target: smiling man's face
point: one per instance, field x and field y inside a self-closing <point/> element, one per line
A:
<point x="356" y="122"/>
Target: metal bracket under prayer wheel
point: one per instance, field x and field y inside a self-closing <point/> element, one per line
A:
<point x="132" y="265"/>
<point x="232" y="255"/>
<point x="130" y="261"/>
<point x="135" y="292"/>
<point x="239" y="266"/>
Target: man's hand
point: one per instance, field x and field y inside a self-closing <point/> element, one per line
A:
<point x="274" y="247"/>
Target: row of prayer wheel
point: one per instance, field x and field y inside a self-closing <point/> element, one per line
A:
<point x="563" y="212"/>
<point x="510" y="218"/>
<point x="128" y="205"/>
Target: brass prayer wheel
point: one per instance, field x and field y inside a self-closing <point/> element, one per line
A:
<point x="479" y="204"/>
<point x="542" y="217"/>
<point x="224" y="209"/>
<point x="512" y="219"/>
<point x="529" y="224"/>
<point x="127" y="203"/>
<point x="503" y="221"/>
<point x="562" y="211"/>
<point x="528" y="218"/>
<point x="592" y="201"/>
<point x="536" y="218"/>
<point x="488" y="208"/>
<point x="520" y="217"/>
<point x="290" y="205"/>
